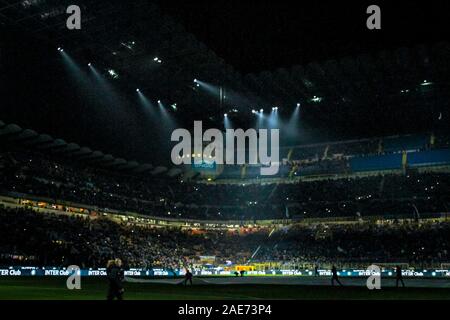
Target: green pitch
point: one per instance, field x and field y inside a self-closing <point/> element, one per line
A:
<point x="95" y="289"/>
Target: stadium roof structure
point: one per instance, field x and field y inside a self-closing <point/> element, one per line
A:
<point x="15" y="136"/>
<point x="145" y="48"/>
<point x="149" y="50"/>
<point x="354" y="79"/>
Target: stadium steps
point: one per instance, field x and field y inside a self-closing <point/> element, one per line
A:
<point x="294" y="168"/>
<point x="243" y="171"/>
<point x="289" y="155"/>
<point x="325" y="152"/>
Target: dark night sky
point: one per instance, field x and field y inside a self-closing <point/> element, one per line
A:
<point x="249" y="35"/>
<point x="264" y="35"/>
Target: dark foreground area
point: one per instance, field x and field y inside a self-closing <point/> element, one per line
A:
<point x="95" y="289"/>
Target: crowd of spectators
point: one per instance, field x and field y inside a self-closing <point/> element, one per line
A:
<point x="417" y="244"/>
<point x="36" y="238"/>
<point x="412" y="193"/>
<point x="48" y="239"/>
<point x="367" y="147"/>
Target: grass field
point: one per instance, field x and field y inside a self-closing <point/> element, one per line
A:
<point x="95" y="289"/>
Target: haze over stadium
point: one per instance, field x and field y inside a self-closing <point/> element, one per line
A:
<point x="91" y="174"/>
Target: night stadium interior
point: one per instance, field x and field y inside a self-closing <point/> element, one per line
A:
<point x="85" y="168"/>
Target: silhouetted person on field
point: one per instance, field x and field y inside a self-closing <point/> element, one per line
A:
<point x="187" y="277"/>
<point x="334" y="276"/>
<point x="316" y="271"/>
<point x="115" y="277"/>
<point x="242" y="273"/>
<point x="398" y="276"/>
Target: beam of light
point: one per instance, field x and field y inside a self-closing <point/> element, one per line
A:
<point x="260" y="119"/>
<point x="107" y="91"/>
<point x="167" y="120"/>
<point x="209" y="88"/>
<point x="227" y="122"/>
<point x="103" y="113"/>
<point x="292" y="129"/>
<point x="166" y="124"/>
<point x="274" y="119"/>
<point x="296" y="114"/>
<point x="84" y="83"/>
<point x="149" y="108"/>
<point x="75" y="71"/>
<point x="109" y="97"/>
<point x="88" y="88"/>
<point x="294" y="126"/>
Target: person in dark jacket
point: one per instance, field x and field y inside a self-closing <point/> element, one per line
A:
<point x="334" y="276"/>
<point x="399" y="276"/>
<point x="115" y="277"/>
<point x="188" y="277"/>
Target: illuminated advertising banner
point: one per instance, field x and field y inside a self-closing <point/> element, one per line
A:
<point x="136" y="272"/>
<point x="207" y="259"/>
<point x="204" y="166"/>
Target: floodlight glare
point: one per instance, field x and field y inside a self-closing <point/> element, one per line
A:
<point x="113" y="74"/>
